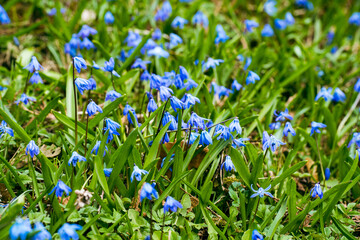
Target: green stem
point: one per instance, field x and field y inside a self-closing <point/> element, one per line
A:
<point x="151" y="218"/>
<point x="86" y="133"/>
<point x="75" y="105"/>
<point x="257" y="207"/>
<point x="321" y="164"/>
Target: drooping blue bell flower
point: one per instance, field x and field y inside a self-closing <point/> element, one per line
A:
<point x="190" y="84"/>
<point x="267" y="31"/>
<point x="275" y="125"/>
<point x="92" y="108"/>
<point x="235" y="85"/>
<point x="280" y="24"/>
<point x="107" y="172"/>
<point x="179" y="22"/>
<point x="169" y="118"/>
<point x="288" y="129"/>
<point x="92" y="83"/>
<point x="355" y="139"/>
<point x="109" y="67"/>
<point x="324" y="93"/>
<point x="176" y="103"/>
<point x="148" y="191"/>
<point x="152" y="106"/>
<point x="200" y="19"/>
<point x="239" y="142"/>
<point x="137" y="172"/>
<point x="315" y="127"/>
<point x="43" y="234"/>
<point x="316" y="191"/>
<point x="270" y="7"/>
<point x="96" y="148"/>
<point x="193" y="137"/>
<point x="196" y="121"/>
<point x="355" y="19"/>
<point x="5" y="129"/>
<point x="21" y="228"/>
<point x="164" y="12"/>
<point x="68" y="231"/>
<point x="75" y="157"/>
<point x="256" y="235"/>
<point x="145" y="76"/>
<point x="271" y="142"/>
<point x="75" y="42"/>
<point x="34" y="65"/>
<point x="112" y="126"/>
<point x="305" y="4"/>
<point x="32" y="149"/>
<point x="82" y="85"/>
<point x="156" y="34"/>
<point x="140" y="64"/>
<point x="261" y="192"/>
<point x="158" y="52"/>
<point x="339" y="96"/>
<point x="112" y="95"/>
<point x="225" y="134"/>
<point x="133" y="39"/>
<point x="282" y="116"/>
<point x="109" y="18"/>
<point x="235" y="126"/>
<point x="60" y="188"/>
<point x="4" y="18"/>
<point x="221" y="35"/>
<point x="126" y="112"/>
<point x="252" y="77"/>
<point x="86" y="43"/>
<point x="25" y="99"/>
<point x="250" y="25"/>
<point x="86" y="31"/>
<point x="35" y="78"/>
<point x="165" y="93"/>
<point x="228" y="164"/>
<point x="171" y="205"/>
<point x="327" y="173"/>
<point x="205" y="138"/>
<point x="174" y="40"/>
<point x="211" y="63"/>
<point x="79" y="63"/>
<point x="289" y="19"/>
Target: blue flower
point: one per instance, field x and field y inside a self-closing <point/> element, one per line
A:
<point x="339" y="96"/>
<point x="164" y="12"/>
<point x="205" y="138"/>
<point x="137" y="172"/>
<point x="327" y="173"/>
<point x="250" y="24"/>
<point x="4" y="18"/>
<point x="355" y="139"/>
<point x="179" y="22"/>
<point x="211" y="63"/>
<point x="79" y="63"/>
<point x="282" y="116"/>
<point x="109" y="18"/>
<point x="156" y="34"/>
<point x="239" y="142"/>
<point x="235" y="126"/>
<point x="96" y="148"/>
<point x="315" y="127"/>
<point x="35" y="78"/>
<point x="86" y="31"/>
<point x="193" y="137"/>
<point x="92" y="83"/>
<point x="333" y="49"/>
<point x="221" y="35"/>
<point x="20" y="229"/>
<point x="133" y="39"/>
<point x="158" y="52"/>
<point x="190" y="84"/>
<point x="316" y="191"/>
<point x="68" y="231"/>
<point x="183" y="73"/>
<point x="5" y="129"/>
<point x="330" y="37"/>
<point x="219" y="90"/>
<point x="261" y="192"/>
<point x="355" y="19"/>
<point x="236" y="85"/>
<point x="25" y="99"/>
<point x="92" y="108"/>
<point x="275" y="125"/>
<point x="127" y="110"/>
<point x="43" y="234"/>
<point x="140" y="64"/>
<point x="34" y="65"/>
<point x="224" y="133"/>
<point x="196" y="122"/>
<point x="256" y="235"/>
<point x="75" y="42"/>
<point x="148" y="191"/>
<point x="270" y="7"/>
<point x="174" y="40"/>
<point x="169" y="118"/>
<point x="288" y="129"/>
<point x="304" y="4"/>
<point x="324" y="93"/>
<point x="270" y="142"/>
<point x="95" y="66"/>
<point x="69" y="50"/>
<point x="165" y="93"/>
<point x="16" y="41"/>
<point x="32" y="149"/>
<point x="247" y="63"/>
<point x="60" y="188"/>
<point x="112" y="95"/>
<point x="86" y="43"/>
<point x="75" y="157"/>
<point x="280" y="24"/>
<point x="228" y="164"/>
<point x="171" y="205"/>
<point x="145" y="76"/>
<point x="152" y="106"/>
<point x="107" y="172"/>
<point x="112" y="127"/>
<point x="109" y="67"/>
<point x="289" y="19"/>
<point x="251" y="77"/>
<point x="82" y="85"/>
<point x="200" y="19"/>
<point x="267" y="31"/>
<point x="178" y="82"/>
<point x="176" y="103"/>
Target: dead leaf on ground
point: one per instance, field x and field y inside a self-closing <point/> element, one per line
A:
<point x="50" y="151"/>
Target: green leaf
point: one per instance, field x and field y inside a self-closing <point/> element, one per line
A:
<point x="240" y="166"/>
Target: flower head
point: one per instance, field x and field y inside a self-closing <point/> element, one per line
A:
<point x="196" y="122"/>
<point x="250" y="24"/>
<point x="133" y="39"/>
<point x="82" y="85"/>
<point x="34" y="65"/>
<point x="32" y="149"/>
<point x="270" y="7"/>
<point x="316" y="191"/>
<point x="355" y="19"/>
<point x="137" y="172"/>
<point x="42" y="234"/>
<point x="156" y="34"/>
<point x="96" y="148"/>
<point x="4" y="18"/>
<point x="79" y="63"/>
<point x="148" y="191"/>
<point x="68" y="231"/>
<point x="275" y="125"/>
<point x="112" y="95"/>
<point x="235" y="126"/>
<point x="176" y="103"/>
<point x="109" y="67"/>
<point x="289" y="18"/>
<point x="25" y="99"/>
<point x="165" y="93"/>
<point x="179" y="22"/>
<point x="261" y="192"/>
<point x="205" y="138"/>
<point x="327" y="173"/>
<point x="158" y="52"/>
<point x="315" y="127"/>
<point x="112" y="126"/>
<point x="169" y="118"/>
<point x="60" y="188"/>
<point x="140" y="64"/>
<point x="87" y="43"/>
<point x="164" y="12"/>
<point x="280" y="24"/>
<point x="127" y="110"/>
<point x="174" y="40"/>
<point x="5" y="129"/>
<point x="75" y="157"/>
<point x="267" y="31"/>
<point x="189" y="100"/>
<point x="228" y="164"/>
<point x="20" y="229"/>
<point x="92" y="108"/>
<point x="339" y="96"/>
<point x="86" y="31"/>
<point x="171" y="205"/>
<point x="211" y="63"/>
<point x="288" y="129"/>
<point x="152" y="106"/>
<point x="109" y="18"/>
<point x="252" y="77"/>
<point x="282" y="116"/>
<point x="355" y="139"/>
<point x="324" y="93"/>
<point x="256" y="235"/>
<point x="92" y="83"/>
<point x="35" y="78"/>
<point x="271" y="142"/>
<point x="236" y="85"/>
<point x="221" y="35"/>
<point x="107" y="171"/>
<point x="200" y="19"/>
<point x="239" y="142"/>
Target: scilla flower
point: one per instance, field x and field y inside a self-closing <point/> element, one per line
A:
<point x="275" y="125"/>
<point x="174" y="40"/>
<point x="261" y="192"/>
<point x="32" y="149"/>
<point x="228" y="164"/>
<point x="270" y="7"/>
<point x="34" y="65"/>
<point x="152" y="106"/>
<point x="96" y="148"/>
<point x="60" y="188"/>
<point x="221" y="35"/>
<point x="271" y="142"/>
<point x="339" y="96"/>
<point x="256" y="235"/>
<point x="267" y="31"/>
<point x="5" y="129"/>
<point x="169" y="118"/>
<point x="290" y="20"/>
<point x="315" y="127"/>
<point x="92" y="83"/>
<point x="200" y="19"/>
<point x="75" y="157"/>
<point x="211" y="63"/>
<point x="324" y="93"/>
<point x="42" y="234"/>
<point x="158" y="52"/>
<point x="107" y="171"/>
<point x="288" y="129"/>
<point x="179" y="22"/>
<point x="205" y="138"/>
<point x="82" y="85"/>
<point x="193" y="137"/>
<point x="92" y="108"/>
<point x="140" y="64"/>
<point x="250" y="24"/>
<point x="327" y="173"/>
<point x="252" y="77"/>
<point x="109" y="18"/>
<point x="189" y="100"/>
<point x="165" y="93"/>
<point x="79" y="63"/>
<point x="355" y="139"/>
<point x="109" y="67"/>
<point x="176" y="103"/>
<point x="236" y="85"/>
<point x="316" y="191"/>
<point x="68" y="231"/>
<point x="86" y="43"/>
<point x="112" y="95"/>
<point x="112" y="127"/>
<point x="235" y="126"/>
<point x="148" y="191"/>
<point x="4" y="18"/>
<point x="137" y="172"/>
<point x="86" y="31"/>
<point x="126" y="112"/>
<point x="171" y="205"/>
<point x="282" y="116"/>
<point x="25" y="99"/>
<point x="20" y="229"/>
<point x="280" y="24"/>
<point x="35" y="78"/>
<point x="355" y="19"/>
<point x="156" y="34"/>
<point x="239" y="142"/>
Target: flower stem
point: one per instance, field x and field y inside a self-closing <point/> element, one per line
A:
<point x="86" y="133"/>
<point x="162" y="116"/>
<point x="321" y="164"/>
<point x="112" y="81"/>
<point x="257" y="207"/>
<point x="75" y="105"/>
<point x="26" y="83"/>
<point x="162" y="227"/>
<point x="151" y="218"/>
